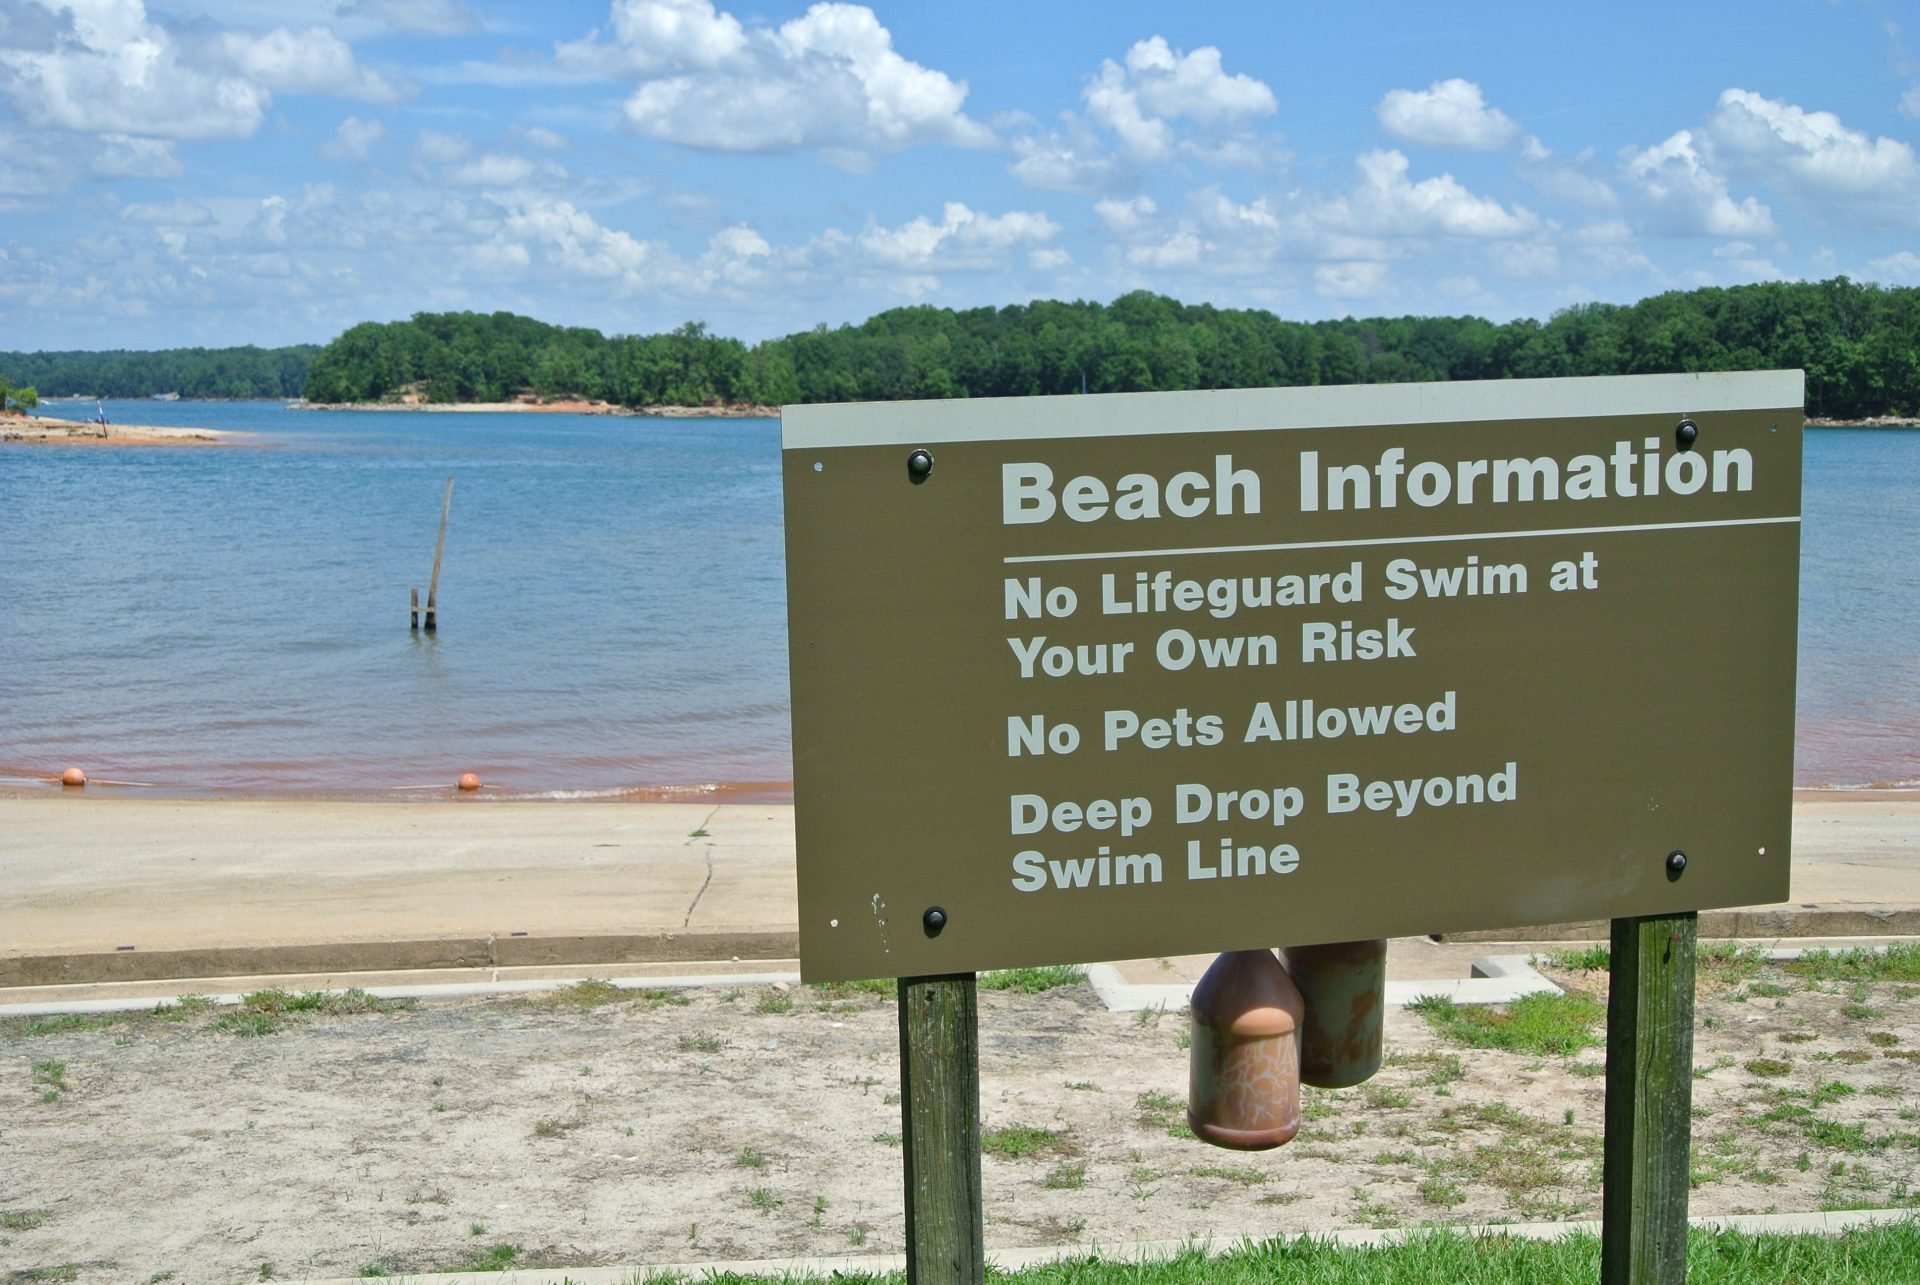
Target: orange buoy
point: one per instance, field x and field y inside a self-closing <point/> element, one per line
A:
<point x="468" y="781"/>
<point x="73" y="776"/>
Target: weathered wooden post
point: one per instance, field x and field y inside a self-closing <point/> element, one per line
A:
<point x="433" y="585"/>
<point x="1649" y="1125"/>
<point x="413" y="608"/>
<point x="940" y="1128"/>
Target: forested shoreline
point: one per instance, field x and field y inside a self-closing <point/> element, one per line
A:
<point x="1855" y="341"/>
<point x="231" y="373"/>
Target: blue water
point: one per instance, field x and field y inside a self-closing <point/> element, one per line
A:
<point x="612" y="604"/>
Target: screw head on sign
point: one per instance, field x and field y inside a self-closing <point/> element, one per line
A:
<point x="1686" y="434"/>
<point x="919" y="465"/>
<point x="1676" y="864"/>
<point x="935" y="919"/>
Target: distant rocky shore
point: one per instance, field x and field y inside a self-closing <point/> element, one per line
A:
<point x="1872" y="421"/>
<point x="724" y="410"/>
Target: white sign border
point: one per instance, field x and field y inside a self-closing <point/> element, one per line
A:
<point x="1236" y="410"/>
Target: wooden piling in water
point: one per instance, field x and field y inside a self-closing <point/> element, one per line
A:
<point x="433" y="585"/>
<point x="413" y="609"/>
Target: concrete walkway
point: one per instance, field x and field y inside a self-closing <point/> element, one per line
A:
<point x="129" y="889"/>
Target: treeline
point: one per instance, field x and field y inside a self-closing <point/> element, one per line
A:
<point x="1856" y="343"/>
<point x="190" y="372"/>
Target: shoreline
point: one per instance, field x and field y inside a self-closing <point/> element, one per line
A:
<point x="731" y="410"/>
<point x="1872" y="421"/>
<point x="78" y="432"/>
<point x="27" y="784"/>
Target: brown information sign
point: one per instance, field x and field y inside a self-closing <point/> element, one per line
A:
<point x="1109" y="677"/>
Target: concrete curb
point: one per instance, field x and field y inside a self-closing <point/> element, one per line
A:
<point x="449" y="990"/>
<point x="1810" y="1224"/>
<point x="396" y="956"/>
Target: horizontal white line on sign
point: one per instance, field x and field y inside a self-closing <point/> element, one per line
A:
<point x="1395" y="539"/>
<point x="1239" y="410"/>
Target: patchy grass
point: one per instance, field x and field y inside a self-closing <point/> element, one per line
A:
<point x="1164" y="1111"/>
<point x="22" y="1219"/>
<point x="886" y="986"/>
<point x="1866" y="1256"/>
<point x="702" y="1042"/>
<point x="1560" y="1024"/>
<point x="591" y="993"/>
<point x="775" y="1002"/>
<point x="1768" y="1066"/>
<point x="1899" y="962"/>
<point x="1581" y="959"/>
<point x="1068" y="1175"/>
<point x="749" y="1158"/>
<point x="165" y="1012"/>
<point x="1032" y="981"/>
<point x="1436" y="1070"/>
<point x="1017" y="1140"/>
<point x="50" y="1079"/>
<point x="1245" y="1175"/>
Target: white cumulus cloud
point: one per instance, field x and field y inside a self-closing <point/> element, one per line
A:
<point x="1813" y="156"/>
<point x="1157" y="84"/>
<point x="1387" y="203"/>
<point x="962" y="240"/>
<point x="313" y="61"/>
<point x="1679" y="184"/>
<point x="1448" y="113"/>
<point x="829" y="80"/>
<point x="1359" y="280"/>
<point x="1903" y="267"/>
<point x="354" y="139"/>
<point x="122" y="156"/>
<point x="108" y="68"/>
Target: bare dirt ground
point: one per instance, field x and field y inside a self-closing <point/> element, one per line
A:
<point x="603" y="1127"/>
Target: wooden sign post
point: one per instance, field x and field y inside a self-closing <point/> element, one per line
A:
<point x="940" y="1123"/>
<point x="1649" y="1122"/>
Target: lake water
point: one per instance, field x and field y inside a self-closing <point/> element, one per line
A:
<point x="612" y="605"/>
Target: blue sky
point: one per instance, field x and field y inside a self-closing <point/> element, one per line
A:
<point x="248" y="171"/>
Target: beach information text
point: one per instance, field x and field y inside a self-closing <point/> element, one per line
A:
<point x="1112" y="677"/>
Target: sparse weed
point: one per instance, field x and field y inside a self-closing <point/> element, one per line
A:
<point x="1032" y="981"/>
<point x="1017" y="1140"/>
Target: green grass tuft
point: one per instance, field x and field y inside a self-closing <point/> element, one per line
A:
<point x="1899" y="962"/>
<point x="1032" y="981"/>
<point x="1017" y="1140"/>
<point x="1560" y="1024"/>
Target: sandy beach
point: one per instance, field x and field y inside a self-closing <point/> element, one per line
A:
<point x="77" y="432"/>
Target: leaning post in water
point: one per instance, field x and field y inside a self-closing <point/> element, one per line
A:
<point x="433" y="585"/>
